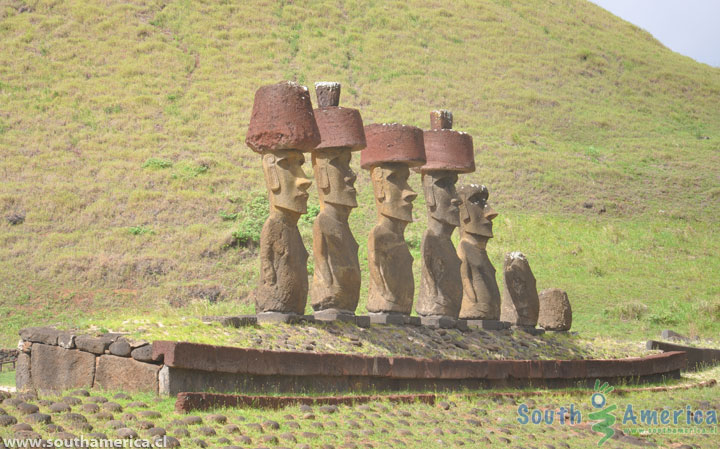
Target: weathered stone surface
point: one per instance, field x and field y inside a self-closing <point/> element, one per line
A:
<point x="23" y="379"/>
<point x="239" y="321"/>
<point x="66" y="340"/>
<point x="45" y="335"/>
<point x="120" y="373"/>
<point x="438" y="321"/>
<point x="334" y="315"/>
<point x="393" y="143"/>
<point x="93" y="345"/>
<point x="668" y="334"/>
<point x="282" y="118"/>
<point x="392" y="286"/>
<point x="440" y="282"/>
<point x="520" y="302"/>
<point x="279" y="317"/>
<point x="697" y="358"/>
<point x="446" y="149"/>
<point x="142" y="354"/>
<point x="488" y="324"/>
<point x="328" y="93"/>
<point x="283" y="258"/>
<point x="340" y="128"/>
<point x="481" y="295"/>
<point x="120" y="348"/>
<point x="393" y="318"/>
<point x="555" y="311"/>
<point x="57" y="369"/>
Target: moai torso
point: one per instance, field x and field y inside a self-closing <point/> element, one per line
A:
<point x="336" y="280"/>
<point x="391" y="277"/>
<point x="283" y="283"/>
<point x="440" y="283"/>
<point x="481" y="295"/>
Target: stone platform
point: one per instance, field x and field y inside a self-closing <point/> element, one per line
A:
<point x="52" y="360"/>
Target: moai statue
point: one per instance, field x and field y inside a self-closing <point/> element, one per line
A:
<point x="520" y="302"/>
<point x="448" y="153"/>
<point x="481" y="295"/>
<point x="335" y="289"/>
<point x="391" y="150"/>
<point x="282" y="127"/>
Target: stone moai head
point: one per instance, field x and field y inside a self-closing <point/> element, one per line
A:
<point x="476" y="215"/>
<point x="342" y="133"/>
<point x="286" y="181"/>
<point x="448" y="153"/>
<point x="391" y="150"/>
<point x="393" y="194"/>
<point x="282" y="127"/>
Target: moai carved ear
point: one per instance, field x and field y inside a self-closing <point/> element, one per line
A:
<point x="323" y="181"/>
<point x="429" y="190"/>
<point x="377" y="177"/>
<point x="270" y="169"/>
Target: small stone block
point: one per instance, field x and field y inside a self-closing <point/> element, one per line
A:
<point x="239" y="321"/>
<point x="461" y="325"/>
<point x="287" y="318"/>
<point x="491" y="325"/>
<point x="362" y="321"/>
<point x="530" y="330"/>
<point x="334" y="315"/>
<point x="388" y="318"/>
<point x="438" y="322"/>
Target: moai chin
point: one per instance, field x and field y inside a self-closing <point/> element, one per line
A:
<point x="448" y="153"/>
<point x="481" y="296"/>
<point x="282" y="127"/>
<point x="391" y="150"/>
<point x="336" y="280"/>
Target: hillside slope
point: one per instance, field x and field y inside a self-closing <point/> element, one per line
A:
<point x="122" y="129"/>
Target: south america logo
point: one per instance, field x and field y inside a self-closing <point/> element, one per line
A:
<point x="605" y="416"/>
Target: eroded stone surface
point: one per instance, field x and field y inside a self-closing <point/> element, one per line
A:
<point x="54" y="368"/>
<point x="520" y="302"/>
<point x="121" y="373"/>
<point x="555" y="311"/>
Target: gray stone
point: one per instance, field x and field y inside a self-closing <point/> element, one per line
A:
<point x="520" y="304"/>
<point x="120" y="348"/>
<point x="529" y="329"/>
<point x="239" y="321"/>
<point x="126" y="433"/>
<point x="492" y="325"/>
<point x="45" y="335"/>
<point x="142" y="354"/>
<point x="362" y="321"/>
<point x="58" y="369"/>
<point x="66" y="340"/>
<point x="672" y="335"/>
<point x="23" y="379"/>
<point x="279" y="317"/>
<point x="555" y="311"/>
<point x="438" y="321"/>
<point x="334" y="315"/>
<point x="393" y="318"/>
<point x="92" y="344"/>
<point x="119" y="373"/>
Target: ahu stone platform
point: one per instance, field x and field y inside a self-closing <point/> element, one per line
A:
<point x="51" y="360"/>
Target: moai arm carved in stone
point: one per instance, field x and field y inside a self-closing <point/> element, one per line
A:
<point x="391" y="150"/>
<point x="481" y="295"/>
<point x="282" y="126"/>
<point x="448" y="153"/>
<point x="336" y="280"/>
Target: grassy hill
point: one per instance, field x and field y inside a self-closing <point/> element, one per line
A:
<point x="122" y="130"/>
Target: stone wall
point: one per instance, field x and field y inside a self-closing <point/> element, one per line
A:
<point x="52" y="360"/>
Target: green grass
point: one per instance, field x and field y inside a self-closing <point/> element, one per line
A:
<point x="7" y="378"/>
<point x="122" y="134"/>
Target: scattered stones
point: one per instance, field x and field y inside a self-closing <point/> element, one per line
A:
<point x="152" y="414"/>
<point x="142" y="353"/>
<point x="38" y="418"/>
<point x="220" y="419"/>
<point x="272" y="425"/>
<point x="113" y="407"/>
<point x="206" y="431"/>
<point x="192" y="420"/>
<point x="59" y="407"/>
<point x="26" y="409"/>
<point x="90" y="408"/>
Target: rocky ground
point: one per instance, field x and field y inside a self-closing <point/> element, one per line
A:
<point x="454" y="421"/>
<point x="392" y="340"/>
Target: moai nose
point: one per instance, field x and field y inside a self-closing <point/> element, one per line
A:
<point x="303" y="183"/>
<point x="409" y="196"/>
<point x="351" y="178"/>
<point x="490" y="213"/>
